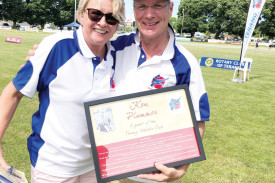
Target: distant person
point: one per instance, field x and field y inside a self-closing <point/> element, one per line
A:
<point x="68" y="69"/>
<point x="270" y="43"/>
<point x="257" y="43"/>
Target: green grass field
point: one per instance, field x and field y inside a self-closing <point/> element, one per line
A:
<point x="239" y="139"/>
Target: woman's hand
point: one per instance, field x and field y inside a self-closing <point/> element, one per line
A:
<point x="3" y="163"/>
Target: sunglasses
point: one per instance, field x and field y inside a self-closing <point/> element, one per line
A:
<point x="96" y="15"/>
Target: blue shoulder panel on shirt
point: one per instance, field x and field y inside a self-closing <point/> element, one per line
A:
<point x="204" y="108"/>
<point x="182" y="68"/>
<point x="23" y="76"/>
<point x="123" y="41"/>
<point x="59" y="55"/>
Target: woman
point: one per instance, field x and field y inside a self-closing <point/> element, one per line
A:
<point x="67" y="70"/>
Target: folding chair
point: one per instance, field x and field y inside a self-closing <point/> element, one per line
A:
<point x="245" y="69"/>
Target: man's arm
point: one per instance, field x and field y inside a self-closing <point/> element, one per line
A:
<point x="9" y="101"/>
<point x="31" y="52"/>
<point x="170" y="174"/>
<point x="201" y="125"/>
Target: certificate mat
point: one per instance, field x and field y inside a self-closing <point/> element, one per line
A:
<point x="129" y="133"/>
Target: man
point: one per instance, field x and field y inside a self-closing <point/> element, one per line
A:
<point x="150" y="54"/>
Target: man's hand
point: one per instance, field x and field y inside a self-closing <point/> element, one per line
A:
<point x="31" y="53"/>
<point x="166" y="173"/>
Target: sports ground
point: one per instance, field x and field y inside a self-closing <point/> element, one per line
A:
<point x="239" y="140"/>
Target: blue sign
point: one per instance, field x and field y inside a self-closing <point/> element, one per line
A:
<point x="183" y="39"/>
<point x="219" y="63"/>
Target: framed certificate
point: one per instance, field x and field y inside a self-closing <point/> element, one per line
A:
<point x="130" y="133"/>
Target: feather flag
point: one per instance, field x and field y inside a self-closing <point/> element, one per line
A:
<point x="254" y="12"/>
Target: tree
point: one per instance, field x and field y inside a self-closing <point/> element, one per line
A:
<point x="38" y="12"/>
<point x="267" y="20"/>
<point x="63" y="11"/>
<point x="216" y="16"/>
<point x="173" y="21"/>
<point x="228" y="16"/>
<point x="12" y="10"/>
<point x="60" y="12"/>
<point x="195" y="16"/>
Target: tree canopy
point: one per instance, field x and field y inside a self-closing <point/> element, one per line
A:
<point x="215" y="16"/>
<point x="267" y="21"/>
<point x="218" y="16"/>
<point x="38" y="12"/>
<point x="12" y="10"/>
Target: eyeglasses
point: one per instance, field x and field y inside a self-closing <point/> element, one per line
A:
<point x="158" y="7"/>
<point x="96" y="15"/>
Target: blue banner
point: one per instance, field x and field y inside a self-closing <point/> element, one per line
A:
<point x="183" y="39"/>
<point x="219" y="63"/>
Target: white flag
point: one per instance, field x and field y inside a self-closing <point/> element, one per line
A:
<point x="254" y="12"/>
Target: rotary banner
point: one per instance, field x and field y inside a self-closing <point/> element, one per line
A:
<point x="219" y="63"/>
<point x="254" y="12"/>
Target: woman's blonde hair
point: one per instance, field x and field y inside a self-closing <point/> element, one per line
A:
<point x="118" y="9"/>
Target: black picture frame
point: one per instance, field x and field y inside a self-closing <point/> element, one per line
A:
<point x="92" y="106"/>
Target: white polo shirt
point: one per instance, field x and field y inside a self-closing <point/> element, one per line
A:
<point x="176" y="66"/>
<point x="66" y="74"/>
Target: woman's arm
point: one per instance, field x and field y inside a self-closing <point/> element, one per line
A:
<point x="9" y="101"/>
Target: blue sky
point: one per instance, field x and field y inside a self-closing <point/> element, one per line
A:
<point x="130" y="14"/>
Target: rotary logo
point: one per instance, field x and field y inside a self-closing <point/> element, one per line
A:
<point x="209" y="62"/>
<point x="257" y="3"/>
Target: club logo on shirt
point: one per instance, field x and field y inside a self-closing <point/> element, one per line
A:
<point x="174" y="104"/>
<point x="112" y="83"/>
<point x="257" y="3"/>
<point x="158" y="82"/>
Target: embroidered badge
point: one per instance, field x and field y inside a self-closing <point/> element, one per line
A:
<point x="112" y="83"/>
<point x="158" y="82"/>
